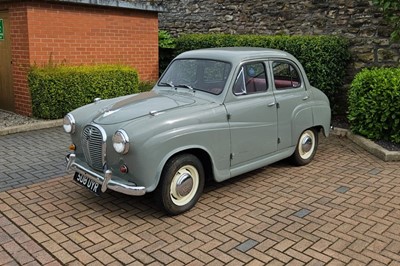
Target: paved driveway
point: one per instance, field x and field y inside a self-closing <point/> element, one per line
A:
<point x="342" y="209"/>
<point x="31" y="157"/>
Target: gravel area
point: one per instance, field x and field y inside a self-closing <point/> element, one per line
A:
<point x="9" y="119"/>
<point x="390" y="146"/>
<point x="341" y="121"/>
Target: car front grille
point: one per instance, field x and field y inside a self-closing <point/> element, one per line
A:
<point x="94" y="146"/>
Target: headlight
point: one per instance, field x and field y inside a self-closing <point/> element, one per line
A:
<point x="121" y="141"/>
<point x="69" y="124"/>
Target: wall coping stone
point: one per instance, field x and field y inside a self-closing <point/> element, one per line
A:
<point x="110" y="3"/>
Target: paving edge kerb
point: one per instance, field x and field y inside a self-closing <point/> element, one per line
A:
<point x="368" y="145"/>
<point x="31" y="126"/>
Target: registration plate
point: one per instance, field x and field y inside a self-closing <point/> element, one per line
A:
<point x="88" y="183"/>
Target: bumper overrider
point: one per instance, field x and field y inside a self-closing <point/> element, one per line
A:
<point x="107" y="181"/>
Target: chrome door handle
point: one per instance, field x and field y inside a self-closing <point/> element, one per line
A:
<point x="306" y="98"/>
<point x="271" y="104"/>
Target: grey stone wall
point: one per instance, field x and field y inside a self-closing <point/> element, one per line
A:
<point x="357" y="20"/>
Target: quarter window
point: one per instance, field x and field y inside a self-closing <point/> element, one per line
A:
<point x="286" y="75"/>
<point x="251" y="79"/>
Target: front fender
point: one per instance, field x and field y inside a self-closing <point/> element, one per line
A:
<point x="156" y="139"/>
<point x="215" y="143"/>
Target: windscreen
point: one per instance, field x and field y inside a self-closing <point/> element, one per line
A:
<point x="197" y="74"/>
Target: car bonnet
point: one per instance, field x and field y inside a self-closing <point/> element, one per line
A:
<point x="139" y="105"/>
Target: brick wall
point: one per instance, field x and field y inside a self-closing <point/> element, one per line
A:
<point x="44" y="32"/>
<point x="20" y="57"/>
<point x="77" y="34"/>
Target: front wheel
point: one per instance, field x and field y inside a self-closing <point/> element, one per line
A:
<point x="181" y="184"/>
<point x="306" y="147"/>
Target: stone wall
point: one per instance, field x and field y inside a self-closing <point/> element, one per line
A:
<point x="357" y="20"/>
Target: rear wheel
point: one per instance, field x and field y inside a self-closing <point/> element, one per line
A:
<point x="306" y="147"/>
<point x="181" y="184"/>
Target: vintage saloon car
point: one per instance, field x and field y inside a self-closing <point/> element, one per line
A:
<point x="214" y="113"/>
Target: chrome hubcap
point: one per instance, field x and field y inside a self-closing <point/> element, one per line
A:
<point x="184" y="185"/>
<point x="306" y="144"/>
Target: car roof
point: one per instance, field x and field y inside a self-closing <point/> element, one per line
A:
<point x="235" y="54"/>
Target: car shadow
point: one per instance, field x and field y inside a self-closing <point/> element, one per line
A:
<point x="111" y="203"/>
<point x="212" y="185"/>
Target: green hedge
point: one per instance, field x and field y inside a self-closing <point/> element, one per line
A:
<point x="166" y="46"/>
<point x="374" y="100"/>
<point x="324" y="58"/>
<point x="57" y="90"/>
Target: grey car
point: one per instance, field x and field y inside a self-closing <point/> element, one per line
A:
<point x="214" y="113"/>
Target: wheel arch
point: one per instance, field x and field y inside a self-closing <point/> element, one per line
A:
<point x="200" y="153"/>
<point x="319" y="128"/>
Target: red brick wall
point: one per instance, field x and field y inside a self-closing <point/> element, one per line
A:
<point x="79" y="34"/>
<point x="19" y="57"/>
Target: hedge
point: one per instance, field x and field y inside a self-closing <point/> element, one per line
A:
<point x="374" y="99"/>
<point x="57" y="90"/>
<point x="324" y="58"/>
<point x="166" y="46"/>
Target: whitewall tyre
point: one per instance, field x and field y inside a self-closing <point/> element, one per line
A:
<point x="306" y="147"/>
<point x="181" y="184"/>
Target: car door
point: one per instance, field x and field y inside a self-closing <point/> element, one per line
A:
<point x="252" y="115"/>
<point x="292" y="99"/>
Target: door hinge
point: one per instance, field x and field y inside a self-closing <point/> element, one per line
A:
<point x="277" y="105"/>
<point x="228" y="116"/>
<point x="279" y="140"/>
<point x="231" y="156"/>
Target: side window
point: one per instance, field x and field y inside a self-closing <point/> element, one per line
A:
<point x="286" y="75"/>
<point x="251" y="79"/>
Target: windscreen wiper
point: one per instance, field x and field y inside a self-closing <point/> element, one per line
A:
<point x="186" y="86"/>
<point x="169" y="84"/>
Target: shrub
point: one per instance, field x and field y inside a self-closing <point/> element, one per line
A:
<point x="374" y="99"/>
<point x="165" y="40"/>
<point x="57" y="90"/>
<point x="166" y="46"/>
<point x="324" y="58"/>
<point x="146" y="85"/>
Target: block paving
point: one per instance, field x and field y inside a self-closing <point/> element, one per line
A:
<point x="30" y="157"/>
<point x="342" y="209"/>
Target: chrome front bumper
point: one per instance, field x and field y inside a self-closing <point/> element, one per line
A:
<point x="107" y="181"/>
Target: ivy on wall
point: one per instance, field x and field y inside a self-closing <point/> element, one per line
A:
<point x="391" y="11"/>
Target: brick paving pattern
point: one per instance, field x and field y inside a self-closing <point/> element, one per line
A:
<point x="31" y="157"/>
<point x="342" y="209"/>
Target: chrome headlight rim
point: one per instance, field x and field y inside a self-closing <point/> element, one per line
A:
<point x="120" y="141"/>
<point x="69" y="124"/>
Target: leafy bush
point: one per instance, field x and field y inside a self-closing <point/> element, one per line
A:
<point x="324" y="58"/>
<point x="166" y="46"/>
<point x="374" y="99"/>
<point x="165" y="40"/>
<point x="146" y="85"/>
<point x="57" y="90"/>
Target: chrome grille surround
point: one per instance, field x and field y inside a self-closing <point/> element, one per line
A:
<point x="93" y="141"/>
